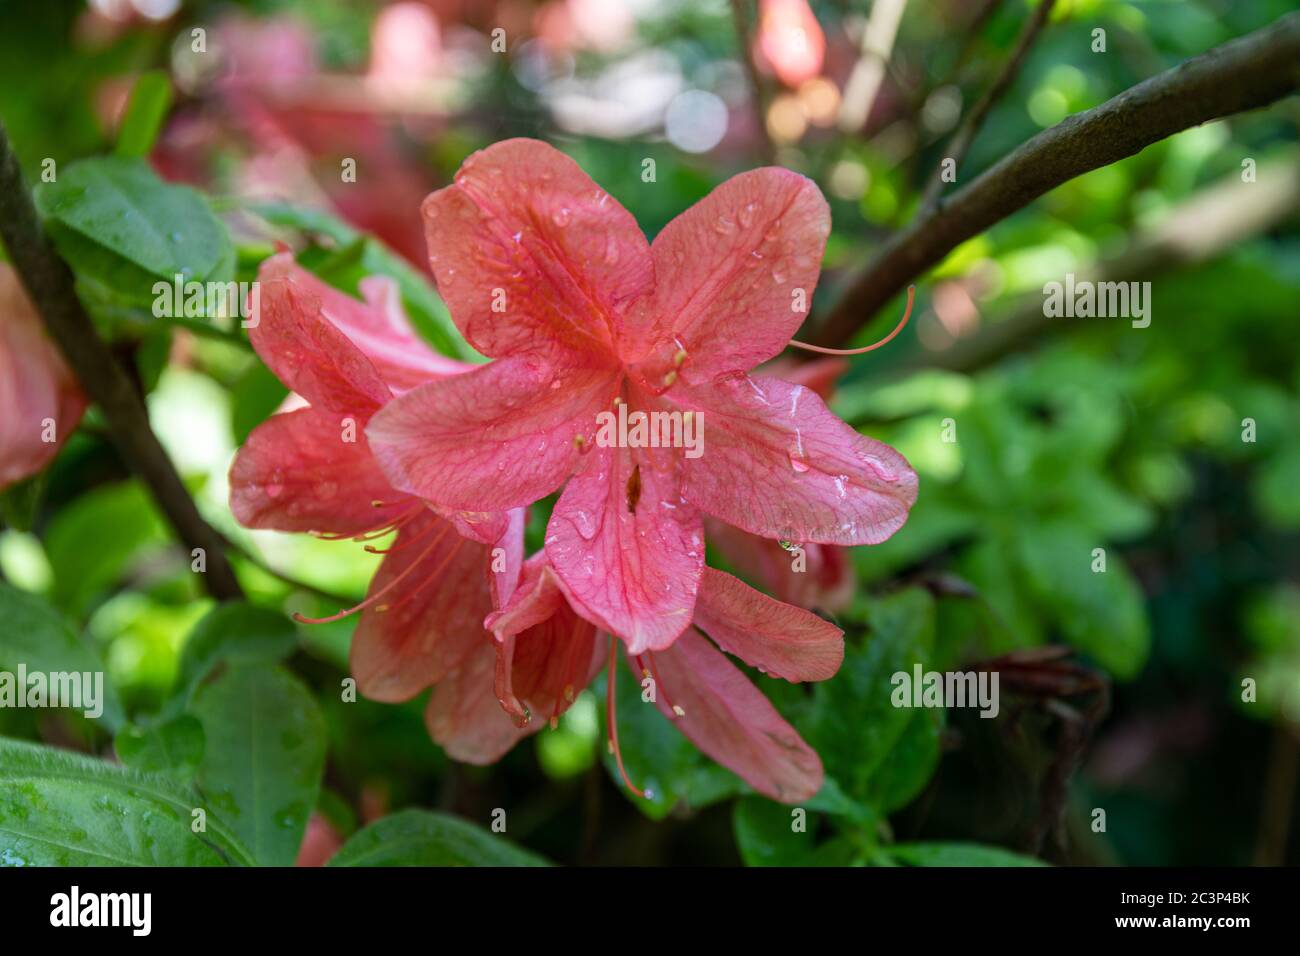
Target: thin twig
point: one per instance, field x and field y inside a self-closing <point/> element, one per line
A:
<point x="970" y="126"/>
<point x="1243" y="74"/>
<point x="1218" y="218"/>
<point x="874" y="54"/>
<point x="49" y="282"/>
<point x="757" y="94"/>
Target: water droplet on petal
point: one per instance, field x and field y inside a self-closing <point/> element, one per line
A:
<point x="561" y="216"/>
<point x="797" y="463"/>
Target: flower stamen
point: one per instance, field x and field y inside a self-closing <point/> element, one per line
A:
<point x="372" y="599"/>
<point x="907" y="314"/>
<point x="611" y="719"/>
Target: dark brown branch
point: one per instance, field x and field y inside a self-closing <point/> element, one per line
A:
<point x="1204" y="226"/>
<point x="971" y="124"/>
<point x="49" y="283"/>
<point x="1244" y="74"/>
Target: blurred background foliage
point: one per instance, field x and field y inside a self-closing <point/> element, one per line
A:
<point x="1175" y="449"/>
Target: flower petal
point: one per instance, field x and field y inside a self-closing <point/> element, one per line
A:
<point x="823" y="580"/>
<point x="546" y="653"/>
<point x="540" y="671"/>
<point x="821" y="375"/>
<point x="496" y="438"/>
<point x="730" y="720"/>
<point x="631" y="565"/>
<point x="779" y="639"/>
<point x="36" y="387"/>
<point x="526" y="231"/>
<point x="430" y="620"/>
<point x="537" y="598"/>
<point x="381" y="329"/>
<point x="294" y="334"/>
<point x="463" y="715"/>
<point x="737" y="273"/>
<point x="296" y="473"/>
<point x="778" y="463"/>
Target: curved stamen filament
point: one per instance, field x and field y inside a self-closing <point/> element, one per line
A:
<point x="441" y="566"/>
<point x="403" y="545"/>
<point x="373" y="598"/>
<point x="611" y="718"/>
<point x="378" y="531"/>
<point x="907" y="314"/>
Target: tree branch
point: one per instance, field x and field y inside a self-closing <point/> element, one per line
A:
<point x="1244" y="74"/>
<point x="49" y="283"/>
<point x="1202" y="227"/>
<point x="970" y="126"/>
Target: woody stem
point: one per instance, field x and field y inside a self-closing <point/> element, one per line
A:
<point x="49" y="283"/>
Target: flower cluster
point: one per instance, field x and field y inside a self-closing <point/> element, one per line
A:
<point x="551" y="279"/>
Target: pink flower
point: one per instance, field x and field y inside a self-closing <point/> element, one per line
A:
<point x="546" y="273"/>
<point x="814" y="575"/>
<point x="40" y="401"/>
<point x="790" y="40"/>
<point x="311" y="470"/>
<point x="545" y="653"/>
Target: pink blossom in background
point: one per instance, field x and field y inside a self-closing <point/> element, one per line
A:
<point x="39" y="397"/>
<point x="790" y="40"/>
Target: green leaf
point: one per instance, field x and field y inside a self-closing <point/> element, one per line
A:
<point x="1101" y="613"/>
<point x="765" y="834"/>
<point x="911" y="763"/>
<point x="658" y="759"/>
<point x="170" y="746"/>
<point x="421" y="838"/>
<point x="36" y="636"/>
<point x="854" y="725"/>
<point x="145" y="111"/>
<point x="233" y="632"/>
<point x="20" y="502"/>
<point x="64" y="809"/>
<point x="113" y="218"/>
<point x="361" y="255"/>
<point x="958" y="854"/>
<point x="264" y="758"/>
<point x="90" y="542"/>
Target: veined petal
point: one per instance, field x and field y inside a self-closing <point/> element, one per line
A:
<point x="295" y="336"/>
<point x="779" y="464"/>
<point x="821" y="375"/>
<point x="736" y="275"/>
<point x="627" y="549"/>
<point x="430" y="619"/>
<point x="537" y="598"/>
<point x="296" y="473"/>
<point x="779" y="639"/>
<point x="532" y="256"/>
<point x="463" y="715"/>
<point x="817" y="576"/>
<point x="498" y="437"/>
<point x="553" y="661"/>
<point x="730" y="720"/>
<point x="382" y="330"/>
